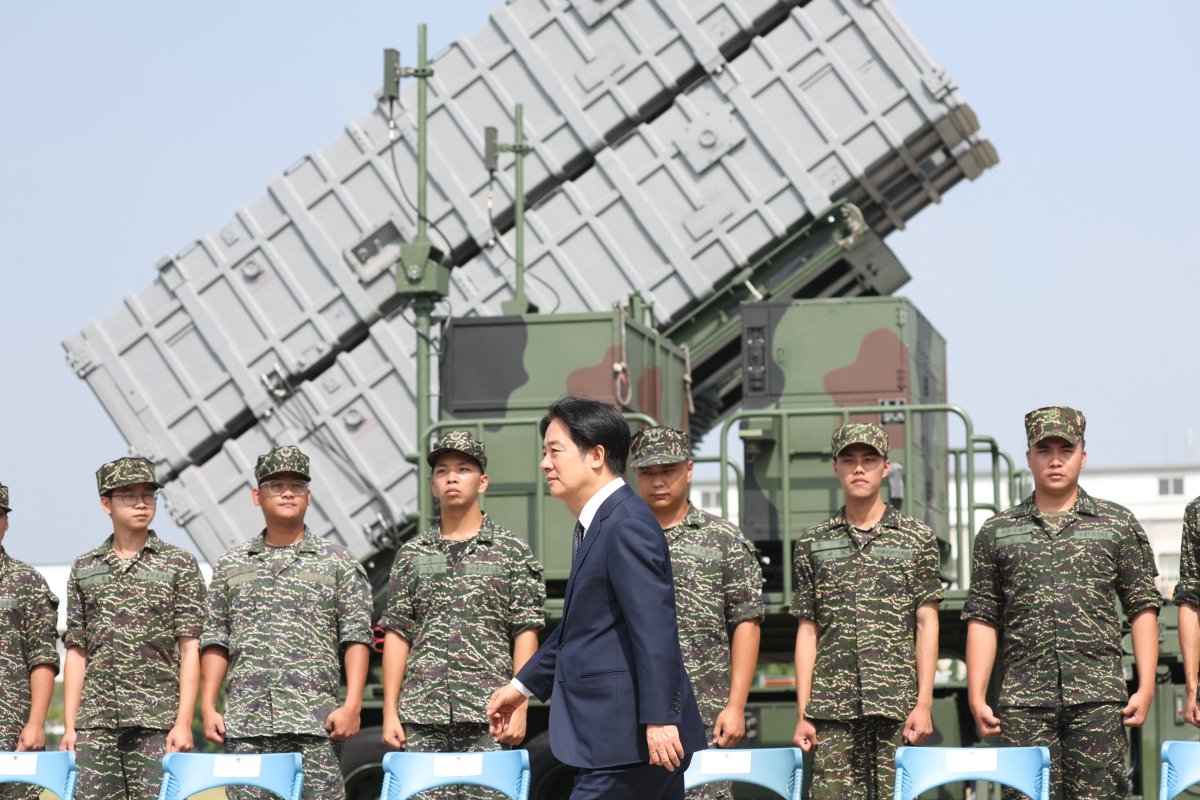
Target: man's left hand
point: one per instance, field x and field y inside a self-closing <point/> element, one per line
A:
<point x="342" y="723"/>
<point x="665" y="748"/>
<point x="729" y="727"/>
<point x="514" y="732"/>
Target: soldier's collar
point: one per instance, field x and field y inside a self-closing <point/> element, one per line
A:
<point x="890" y="518"/>
<point x="153" y="544"/>
<point x="1084" y="504"/>
<point x="487" y="530"/>
<point x="259" y="543"/>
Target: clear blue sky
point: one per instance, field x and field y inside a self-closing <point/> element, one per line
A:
<point x="1065" y="275"/>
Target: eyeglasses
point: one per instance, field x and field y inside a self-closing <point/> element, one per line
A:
<point x="277" y="488"/>
<point x="129" y="500"/>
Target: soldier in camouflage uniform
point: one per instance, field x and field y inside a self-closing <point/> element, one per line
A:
<point x="135" y="609"/>
<point x="1187" y="597"/>
<point x="281" y="608"/>
<point x="464" y="608"/>
<point x="865" y="589"/>
<point x="28" y="657"/>
<point x="1045" y="574"/>
<point x="718" y="589"/>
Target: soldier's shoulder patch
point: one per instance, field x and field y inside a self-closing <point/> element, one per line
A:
<point x="1110" y="510"/>
<point x="913" y="525"/>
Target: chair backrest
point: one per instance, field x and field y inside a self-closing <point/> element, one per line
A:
<point x="506" y="771"/>
<point x="1180" y="768"/>
<point x="780" y="769"/>
<point x="185" y="774"/>
<point x="50" y="770"/>
<point x="1026" y="769"/>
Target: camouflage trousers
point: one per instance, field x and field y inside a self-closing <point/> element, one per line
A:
<point x="322" y="765"/>
<point x="459" y="737"/>
<point x="119" y="763"/>
<point x="1087" y="748"/>
<point x="721" y="790"/>
<point x="15" y="791"/>
<point x="856" y="759"/>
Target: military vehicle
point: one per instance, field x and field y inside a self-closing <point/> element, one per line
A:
<point x="708" y="183"/>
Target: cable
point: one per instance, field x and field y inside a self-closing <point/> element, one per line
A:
<point x="497" y="238"/>
<point x="392" y="136"/>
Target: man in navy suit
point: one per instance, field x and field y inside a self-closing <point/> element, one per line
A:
<point x="623" y="709"/>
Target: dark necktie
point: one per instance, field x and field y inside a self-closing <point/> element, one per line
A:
<point x="576" y="540"/>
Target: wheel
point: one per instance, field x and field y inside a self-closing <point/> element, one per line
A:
<point x="362" y="764"/>
<point x="552" y="779"/>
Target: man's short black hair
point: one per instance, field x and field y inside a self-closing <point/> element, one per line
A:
<point x="593" y="423"/>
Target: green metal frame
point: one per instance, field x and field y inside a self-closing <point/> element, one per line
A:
<point x="963" y="536"/>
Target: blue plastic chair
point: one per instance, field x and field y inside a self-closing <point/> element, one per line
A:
<point x="185" y="774"/>
<point x="1180" y="768"/>
<point x="1026" y="769"/>
<point x="50" y="770"/>
<point x="780" y="769"/>
<point x="405" y="774"/>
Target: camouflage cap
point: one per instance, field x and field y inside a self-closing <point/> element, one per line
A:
<point x="1061" y="421"/>
<point x="4" y="498"/>
<point x="125" y="472"/>
<point x="659" y="445"/>
<point x="288" y="458"/>
<point x="866" y="433"/>
<point x="459" y="442"/>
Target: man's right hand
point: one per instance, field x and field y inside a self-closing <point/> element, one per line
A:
<point x="985" y="720"/>
<point x="806" y="735"/>
<point x="68" y="740"/>
<point x="214" y="726"/>
<point x="393" y="732"/>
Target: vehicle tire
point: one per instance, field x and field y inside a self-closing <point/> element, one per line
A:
<point x="552" y="779"/>
<point x="362" y="764"/>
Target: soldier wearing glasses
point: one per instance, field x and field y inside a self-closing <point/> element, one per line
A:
<point x="135" y="608"/>
<point x="282" y="608"/>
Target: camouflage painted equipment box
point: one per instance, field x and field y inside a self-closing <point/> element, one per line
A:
<point x="830" y="354"/>
<point x="514" y="367"/>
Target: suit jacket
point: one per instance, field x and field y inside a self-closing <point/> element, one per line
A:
<point x="613" y="664"/>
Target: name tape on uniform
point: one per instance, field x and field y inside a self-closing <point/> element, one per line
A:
<point x="237" y="767"/>
<point x="734" y="762"/>
<point x="458" y="765"/>
<point x="979" y="760"/>
<point x="19" y="764"/>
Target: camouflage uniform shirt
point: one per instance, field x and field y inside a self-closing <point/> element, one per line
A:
<point x="1188" y="588"/>
<point x="718" y="583"/>
<point x="284" y="614"/>
<point x="128" y="614"/>
<point x="460" y="619"/>
<point x="28" y="633"/>
<point x="862" y="589"/>
<point x="1051" y="593"/>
